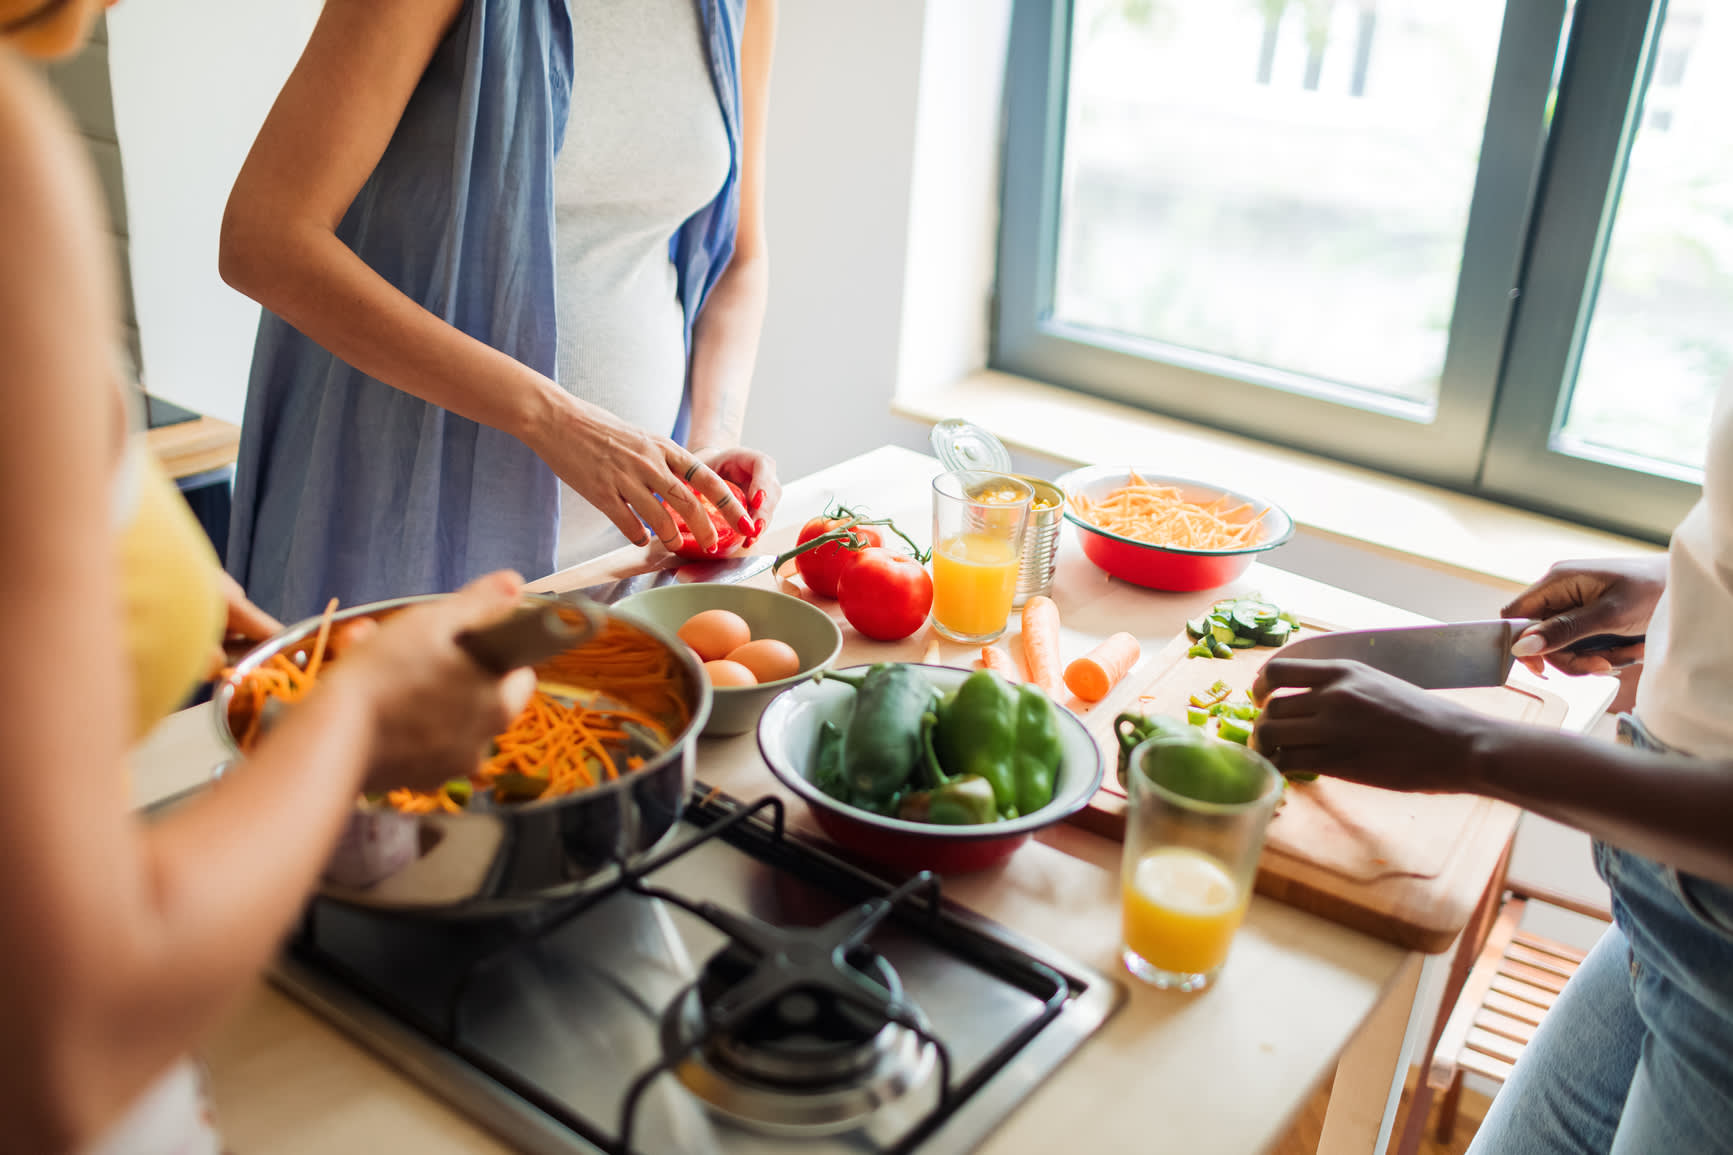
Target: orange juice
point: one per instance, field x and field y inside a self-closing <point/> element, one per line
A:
<point x="974" y="580"/>
<point x="1181" y="909"/>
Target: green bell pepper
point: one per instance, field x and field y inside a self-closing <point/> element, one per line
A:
<point x="976" y="733"/>
<point x="1005" y="734"/>
<point x="827" y="762"/>
<point x="1038" y="749"/>
<point x="965" y="800"/>
<point x="1134" y="729"/>
<point x="882" y="744"/>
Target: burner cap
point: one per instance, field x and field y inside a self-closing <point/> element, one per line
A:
<point x="807" y="1035"/>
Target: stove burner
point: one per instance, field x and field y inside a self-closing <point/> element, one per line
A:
<point x="807" y="1037"/>
<point x="797" y="1032"/>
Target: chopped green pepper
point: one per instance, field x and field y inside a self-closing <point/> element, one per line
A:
<point x="515" y="787"/>
<point x="1233" y="731"/>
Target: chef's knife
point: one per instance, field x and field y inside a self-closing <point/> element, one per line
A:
<point x="729" y="570"/>
<point x="1444" y="657"/>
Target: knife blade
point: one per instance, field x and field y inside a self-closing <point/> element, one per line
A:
<point x="728" y="570"/>
<point x="1440" y="657"/>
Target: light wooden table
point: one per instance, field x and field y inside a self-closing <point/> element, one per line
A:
<point x="1301" y="1000"/>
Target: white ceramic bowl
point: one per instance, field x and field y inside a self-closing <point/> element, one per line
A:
<point x="788" y="732"/>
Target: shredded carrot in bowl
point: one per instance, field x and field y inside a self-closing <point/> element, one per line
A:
<point x="1161" y="515"/>
<point x="601" y="706"/>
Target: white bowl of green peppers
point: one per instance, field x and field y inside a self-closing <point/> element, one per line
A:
<point x="789" y="733"/>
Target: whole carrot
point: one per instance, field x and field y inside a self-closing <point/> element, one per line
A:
<point x="1041" y="643"/>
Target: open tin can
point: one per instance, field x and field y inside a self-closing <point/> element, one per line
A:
<point x="963" y="445"/>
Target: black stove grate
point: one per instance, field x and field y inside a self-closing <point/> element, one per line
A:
<point x="787" y="958"/>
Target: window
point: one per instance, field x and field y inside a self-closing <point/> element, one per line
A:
<point x="1486" y="244"/>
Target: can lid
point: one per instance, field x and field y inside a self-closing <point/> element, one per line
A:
<point x="962" y="445"/>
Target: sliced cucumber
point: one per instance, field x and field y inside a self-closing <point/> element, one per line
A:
<point x="1196" y="628"/>
<point x="1275" y="634"/>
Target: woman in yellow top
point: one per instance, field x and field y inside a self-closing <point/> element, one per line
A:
<point x="124" y="941"/>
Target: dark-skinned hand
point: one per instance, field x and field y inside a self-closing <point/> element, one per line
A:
<point x="1350" y="721"/>
<point x="1578" y="599"/>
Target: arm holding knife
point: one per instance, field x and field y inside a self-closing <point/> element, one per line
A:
<point x="1353" y="722"/>
<point x="1635" y="1053"/>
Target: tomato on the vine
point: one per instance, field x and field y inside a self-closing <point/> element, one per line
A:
<point x="822" y="566"/>
<point x="885" y="595"/>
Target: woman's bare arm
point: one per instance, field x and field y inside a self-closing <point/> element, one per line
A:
<point x="725" y="337"/>
<point x="124" y="941"/>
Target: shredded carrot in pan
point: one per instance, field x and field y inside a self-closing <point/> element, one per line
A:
<point x="1157" y="514"/>
<point x="558" y="744"/>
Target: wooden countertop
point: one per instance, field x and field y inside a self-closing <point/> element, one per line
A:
<point x="1220" y="1072"/>
<point x="194" y="447"/>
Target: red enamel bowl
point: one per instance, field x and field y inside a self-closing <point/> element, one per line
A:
<point x="788" y="732"/>
<point x="1163" y="567"/>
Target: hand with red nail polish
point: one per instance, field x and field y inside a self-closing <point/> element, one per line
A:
<point x="755" y="475"/>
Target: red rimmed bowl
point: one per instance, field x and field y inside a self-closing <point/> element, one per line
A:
<point x="788" y="733"/>
<point x="1159" y="567"/>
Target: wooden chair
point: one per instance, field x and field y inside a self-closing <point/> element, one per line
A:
<point x="1515" y="978"/>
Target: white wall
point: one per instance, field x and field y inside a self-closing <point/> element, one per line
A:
<point x="839" y="165"/>
<point x="192" y="82"/>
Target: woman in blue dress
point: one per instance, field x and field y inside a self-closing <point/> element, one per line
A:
<point x="512" y="262"/>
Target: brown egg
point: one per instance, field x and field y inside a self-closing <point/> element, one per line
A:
<point x="724" y="673"/>
<point x="714" y="634"/>
<point x="768" y="659"/>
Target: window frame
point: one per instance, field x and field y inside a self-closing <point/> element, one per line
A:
<point x="1514" y="318"/>
<point x="1529" y="461"/>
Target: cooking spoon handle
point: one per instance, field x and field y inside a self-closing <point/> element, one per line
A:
<point x="531" y="634"/>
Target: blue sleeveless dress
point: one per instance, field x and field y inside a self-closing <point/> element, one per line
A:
<point x="348" y="488"/>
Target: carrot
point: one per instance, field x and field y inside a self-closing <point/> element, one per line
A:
<point x="324" y="637"/>
<point x="1159" y="515"/>
<point x="574" y="744"/>
<point x="1041" y="642"/>
<point x="997" y="660"/>
<point x="1091" y="677"/>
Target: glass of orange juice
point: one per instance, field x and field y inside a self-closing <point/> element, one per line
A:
<point x="978" y="524"/>
<point x="1198" y="809"/>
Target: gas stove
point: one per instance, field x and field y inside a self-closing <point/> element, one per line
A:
<point x="740" y="990"/>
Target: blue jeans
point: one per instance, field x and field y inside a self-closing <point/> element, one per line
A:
<point x="1636" y="1057"/>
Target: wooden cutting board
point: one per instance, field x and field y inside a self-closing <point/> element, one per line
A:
<point x="1399" y="866"/>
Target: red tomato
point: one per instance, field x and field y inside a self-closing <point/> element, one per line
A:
<point x="885" y="595"/>
<point x="727" y="537"/>
<point x="822" y="568"/>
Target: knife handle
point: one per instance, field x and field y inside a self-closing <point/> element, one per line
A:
<point x="1597" y="643"/>
<point x="531" y="634"/>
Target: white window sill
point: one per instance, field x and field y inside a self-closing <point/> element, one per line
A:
<point x="1413" y="521"/>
